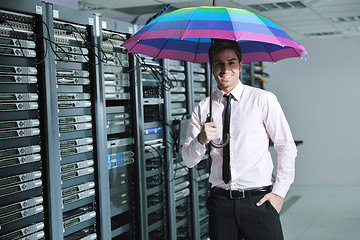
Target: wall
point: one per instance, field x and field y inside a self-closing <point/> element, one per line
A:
<point x="321" y="100"/>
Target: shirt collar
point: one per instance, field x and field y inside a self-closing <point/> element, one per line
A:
<point x="236" y="92"/>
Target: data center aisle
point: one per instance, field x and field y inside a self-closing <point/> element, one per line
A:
<point x="322" y="213"/>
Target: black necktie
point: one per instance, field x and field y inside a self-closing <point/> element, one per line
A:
<point x="226" y="150"/>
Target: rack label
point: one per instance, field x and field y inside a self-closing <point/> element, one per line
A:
<point x="155" y="130"/>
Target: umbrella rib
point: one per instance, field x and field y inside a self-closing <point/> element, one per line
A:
<point x="197" y="48"/>
<point x="162" y="48"/>
<point x="232" y="25"/>
<point x="133" y="46"/>
<point x="299" y="55"/>
<point x="187" y="25"/>
<point x="268" y="52"/>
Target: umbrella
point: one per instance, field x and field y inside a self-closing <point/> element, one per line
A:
<point x="187" y="34"/>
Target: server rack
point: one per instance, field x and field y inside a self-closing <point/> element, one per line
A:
<point x="118" y="74"/>
<point x="155" y="163"/>
<point x="23" y="191"/>
<point x="179" y="177"/>
<point x="202" y="78"/>
<point x="81" y="162"/>
<point x="48" y="81"/>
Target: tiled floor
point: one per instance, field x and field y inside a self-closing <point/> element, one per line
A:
<point x="322" y="213"/>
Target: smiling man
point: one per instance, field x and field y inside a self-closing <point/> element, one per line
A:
<point x="244" y="202"/>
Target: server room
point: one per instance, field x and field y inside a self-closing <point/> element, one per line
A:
<point x="107" y="120"/>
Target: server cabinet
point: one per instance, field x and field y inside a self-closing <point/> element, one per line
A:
<point x="202" y="78"/>
<point x="191" y="85"/>
<point x="118" y="74"/>
<point x="22" y="186"/>
<point x="51" y="169"/>
<point x="180" y="177"/>
<point x="154" y="169"/>
<point x="76" y="81"/>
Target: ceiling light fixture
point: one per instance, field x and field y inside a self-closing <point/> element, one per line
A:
<point x="85" y="6"/>
<point x="277" y="6"/>
<point x="344" y="19"/>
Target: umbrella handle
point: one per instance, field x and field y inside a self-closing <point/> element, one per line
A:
<point x="218" y="145"/>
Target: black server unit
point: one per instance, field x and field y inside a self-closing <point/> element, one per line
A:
<point x="22" y="195"/>
<point x="154" y="147"/>
<point x="121" y="127"/>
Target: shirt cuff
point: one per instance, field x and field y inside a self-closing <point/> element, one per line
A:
<point x="280" y="189"/>
<point x="198" y="145"/>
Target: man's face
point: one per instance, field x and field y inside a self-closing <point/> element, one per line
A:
<point x="227" y="69"/>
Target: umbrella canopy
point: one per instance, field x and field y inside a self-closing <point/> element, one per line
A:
<point x="185" y="34"/>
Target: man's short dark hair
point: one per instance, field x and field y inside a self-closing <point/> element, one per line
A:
<point x="222" y="44"/>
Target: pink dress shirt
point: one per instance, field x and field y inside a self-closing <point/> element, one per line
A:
<point x="256" y="115"/>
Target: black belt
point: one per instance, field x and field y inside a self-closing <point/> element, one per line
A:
<point x="240" y="194"/>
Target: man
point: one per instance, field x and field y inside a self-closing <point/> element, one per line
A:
<point x="244" y="203"/>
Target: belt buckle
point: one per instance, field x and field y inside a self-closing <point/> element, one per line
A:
<point x="240" y="196"/>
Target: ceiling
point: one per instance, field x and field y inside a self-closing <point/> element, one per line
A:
<point x="301" y="19"/>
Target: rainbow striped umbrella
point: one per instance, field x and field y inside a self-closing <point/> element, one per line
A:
<point x="185" y="34"/>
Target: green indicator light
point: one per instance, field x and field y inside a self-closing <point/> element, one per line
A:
<point x="8" y="162"/>
<point x="69" y="191"/>
<point x="70" y="199"/>
<point x="66" y="120"/>
<point x="8" y="134"/>
<point x="70" y="223"/>
<point x="68" y="176"/>
<point x="8" y="190"/>
<point x="69" y="167"/>
<point x="67" y="152"/>
<point x="7" y="97"/>
<point x="9" y="209"/>
<point x="12" y="236"/>
<point x="8" y="125"/>
<point x="7" y="106"/>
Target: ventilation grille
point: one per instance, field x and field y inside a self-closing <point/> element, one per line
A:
<point x="277" y="6"/>
<point x="85" y="6"/>
<point x="140" y="10"/>
<point x="323" y="34"/>
<point x="344" y="19"/>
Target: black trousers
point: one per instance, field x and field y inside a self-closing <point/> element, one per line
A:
<point x="242" y="219"/>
